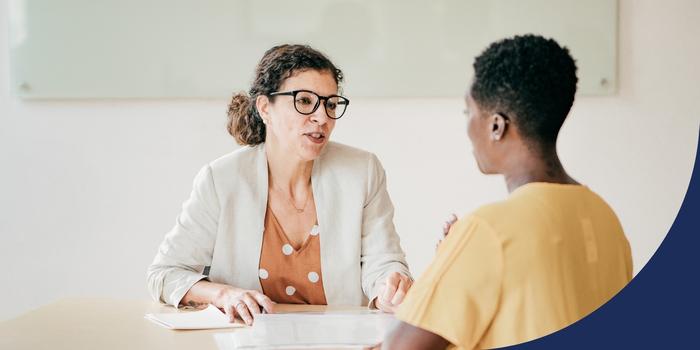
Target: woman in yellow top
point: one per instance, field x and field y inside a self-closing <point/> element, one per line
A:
<point x="538" y="261"/>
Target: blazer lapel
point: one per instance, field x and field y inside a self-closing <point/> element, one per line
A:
<point x="332" y="279"/>
<point x="261" y="208"/>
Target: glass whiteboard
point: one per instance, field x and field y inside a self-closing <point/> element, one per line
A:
<point x="209" y="48"/>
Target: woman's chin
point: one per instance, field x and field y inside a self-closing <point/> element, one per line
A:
<point x="311" y="152"/>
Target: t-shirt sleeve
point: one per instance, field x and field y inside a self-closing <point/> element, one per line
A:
<point x="458" y="295"/>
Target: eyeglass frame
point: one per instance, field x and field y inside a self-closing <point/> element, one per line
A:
<point x="294" y="93"/>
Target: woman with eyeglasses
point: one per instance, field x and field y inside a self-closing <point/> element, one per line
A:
<point x="291" y="217"/>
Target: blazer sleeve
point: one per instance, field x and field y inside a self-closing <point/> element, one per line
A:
<point x="381" y="249"/>
<point x="189" y="246"/>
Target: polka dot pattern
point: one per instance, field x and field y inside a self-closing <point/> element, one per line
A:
<point x="315" y="230"/>
<point x="313" y="277"/>
<point x="287" y="274"/>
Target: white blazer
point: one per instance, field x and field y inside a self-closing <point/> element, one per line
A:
<point x="221" y="225"/>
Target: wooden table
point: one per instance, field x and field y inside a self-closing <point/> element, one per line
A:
<point x="103" y="324"/>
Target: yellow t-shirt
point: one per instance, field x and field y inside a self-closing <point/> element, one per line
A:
<point x="522" y="268"/>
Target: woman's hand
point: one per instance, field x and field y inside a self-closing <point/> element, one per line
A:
<point x="392" y="293"/>
<point x="446" y="227"/>
<point x="242" y="302"/>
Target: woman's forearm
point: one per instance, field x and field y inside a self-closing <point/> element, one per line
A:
<point x="203" y="293"/>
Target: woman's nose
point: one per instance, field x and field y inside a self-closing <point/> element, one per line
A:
<point x="319" y="115"/>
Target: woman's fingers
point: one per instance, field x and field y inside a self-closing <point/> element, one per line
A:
<point x="401" y="291"/>
<point x="392" y="282"/>
<point x="384" y="305"/>
<point x="264" y="301"/>
<point x="251" y="303"/>
<point x="242" y="311"/>
<point x="244" y="304"/>
<point x="229" y="310"/>
<point x="395" y="289"/>
<point x="448" y="224"/>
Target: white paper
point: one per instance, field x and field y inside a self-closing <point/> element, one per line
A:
<point x="209" y="318"/>
<point x="309" y="330"/>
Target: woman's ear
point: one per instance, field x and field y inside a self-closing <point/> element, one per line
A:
<point x="499" y="126"/>
<point x="262" y="104"/>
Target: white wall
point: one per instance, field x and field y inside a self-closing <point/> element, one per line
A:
<point x="88" y="188"/>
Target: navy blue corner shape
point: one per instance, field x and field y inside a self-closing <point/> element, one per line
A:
<point x="660" y="307"/>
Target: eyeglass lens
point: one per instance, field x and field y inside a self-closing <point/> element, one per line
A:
<point x="307" y="102"/>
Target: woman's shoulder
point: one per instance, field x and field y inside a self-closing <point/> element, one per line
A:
<point x="245" y="157"/>
<point x="351" y="166"/>
<point x="237" y="168"/>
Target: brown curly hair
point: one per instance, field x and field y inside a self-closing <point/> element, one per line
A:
<point x="276" y="65"/>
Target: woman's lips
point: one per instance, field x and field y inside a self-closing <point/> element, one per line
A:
<point x="315" y="137"/>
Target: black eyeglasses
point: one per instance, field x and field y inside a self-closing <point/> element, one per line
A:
<point x="307" y="102"/>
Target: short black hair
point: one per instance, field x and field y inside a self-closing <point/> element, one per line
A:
<point x="530" y="79"/>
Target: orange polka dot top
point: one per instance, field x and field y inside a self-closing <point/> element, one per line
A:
<point x="288" y="275"/>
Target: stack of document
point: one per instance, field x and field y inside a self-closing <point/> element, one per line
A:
<point x="209" y="318"/>
<point x="309" y="330"/>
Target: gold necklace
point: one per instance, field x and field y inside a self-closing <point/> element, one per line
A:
<point x="299" y="211"/>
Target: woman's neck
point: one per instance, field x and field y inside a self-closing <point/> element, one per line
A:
<point x="533" y="166"/>
<point x="287" y="173"/>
